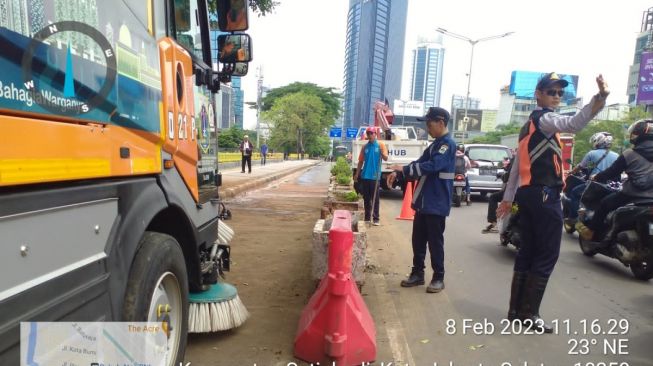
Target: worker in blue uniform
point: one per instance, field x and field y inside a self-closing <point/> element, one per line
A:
<point x="434" y="173"/>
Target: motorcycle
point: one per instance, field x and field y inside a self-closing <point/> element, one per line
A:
<point x="459" y="194"/>
<point x="572" y="181"/>
<point x="627" y="234"/>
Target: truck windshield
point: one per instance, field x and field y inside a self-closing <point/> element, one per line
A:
<point x="487" y="153"/>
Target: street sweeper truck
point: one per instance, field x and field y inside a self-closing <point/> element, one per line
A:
<point x="109" y="206"/>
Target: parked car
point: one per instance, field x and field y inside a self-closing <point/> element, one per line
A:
<point x="487" y="160"/>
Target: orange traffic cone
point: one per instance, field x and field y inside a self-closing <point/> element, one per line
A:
<point x="407" y="212"/>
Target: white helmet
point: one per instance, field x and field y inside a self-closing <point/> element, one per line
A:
<point x="601" y="140"/>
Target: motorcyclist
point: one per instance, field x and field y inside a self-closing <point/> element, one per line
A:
<point x="637" y="162"/>
<point x="462" y="166"/>
<point x="595" y="161"/>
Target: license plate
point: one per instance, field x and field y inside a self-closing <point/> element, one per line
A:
<point x="650" y="229"/>
<point x="458" y="184"/>
<point x="487" y="171"/>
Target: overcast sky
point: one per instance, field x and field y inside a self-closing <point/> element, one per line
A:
<point x="304" y="40"/>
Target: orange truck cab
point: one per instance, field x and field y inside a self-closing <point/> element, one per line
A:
<point x="108" y="167"/>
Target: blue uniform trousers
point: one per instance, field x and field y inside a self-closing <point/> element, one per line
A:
<point x="540" y="225"/>
<point x="429" y="229"/>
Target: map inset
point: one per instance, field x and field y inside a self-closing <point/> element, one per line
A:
<point x="92" y="344"/>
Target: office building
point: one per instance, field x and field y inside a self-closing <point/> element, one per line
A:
<point x="374" y="53"/>
<point x="643" y="42"/>
<point x="426" y="75"/>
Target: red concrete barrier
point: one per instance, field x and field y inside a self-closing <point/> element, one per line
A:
<point x="336" y="326"/>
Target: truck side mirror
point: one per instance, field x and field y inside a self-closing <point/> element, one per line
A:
<point x="234" y="48"/>
<point x="233" y="15"/>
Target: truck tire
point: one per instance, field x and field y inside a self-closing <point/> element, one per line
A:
<point x="157" y="278"/>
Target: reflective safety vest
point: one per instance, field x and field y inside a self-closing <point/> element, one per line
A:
<point x="540" y="157"/>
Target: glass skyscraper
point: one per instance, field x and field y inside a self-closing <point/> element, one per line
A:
<point x="373" y="57"/>
<point x="426" y="80"/>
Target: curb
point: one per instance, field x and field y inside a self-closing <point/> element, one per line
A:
<point x="249" y="186"/>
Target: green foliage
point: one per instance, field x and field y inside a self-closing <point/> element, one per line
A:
<point x="343" y="179"/>
<point x="320" y="146"/>
<point x="494" y="137"/>
<point x="340" y="167"/>
<point x="328" y="96"/>
<point x="297" y="123"/>
<point x="350" y="196"/>
<point x="262" y="7"/>
<point x="233" y="136"/>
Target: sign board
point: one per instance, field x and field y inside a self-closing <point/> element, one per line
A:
<point x="414" y="108"/>
<point x="475" y="117"/>
<point x="645" y="85"/>
<point x="335" y="132"/>
<point x="459" y="135"/>
<point x="352" y="132"/>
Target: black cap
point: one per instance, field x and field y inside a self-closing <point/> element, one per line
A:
<point x="549" y="79"/>
<point x="435" y="113"/>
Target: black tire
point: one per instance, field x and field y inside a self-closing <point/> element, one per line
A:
<point x="483" y="195"/>
<point x="384" y="184"/>
<point x="456" y="200"/>
<point x="158" y="276"/>
<point x="585" y="248"/>
<point x="643" y="270"/>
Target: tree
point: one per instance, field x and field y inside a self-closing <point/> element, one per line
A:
<point x="330" y="99"/>
<point x="494" y="137"/>
<point x="262" y="7"/>
<point x="232" y="137"/>
<point x="297" y="123"/>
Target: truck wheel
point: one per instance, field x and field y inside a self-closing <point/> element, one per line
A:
<point x="157" y="290"/>
<point x="384" y="184"/>
<point x="643" y="270"/>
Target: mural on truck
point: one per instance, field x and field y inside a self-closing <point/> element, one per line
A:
<point x="86" y="59"/>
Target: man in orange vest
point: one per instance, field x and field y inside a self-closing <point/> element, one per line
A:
<point x="536" y="180"/>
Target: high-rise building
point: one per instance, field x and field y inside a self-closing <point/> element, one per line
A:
<point x="374" y="52"/>
<point x="238" y="100"/>
<point x="426" y="75"/>
<point x="644" y="43"/>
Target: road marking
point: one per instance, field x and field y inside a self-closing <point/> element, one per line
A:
<point x="394" y="329"/>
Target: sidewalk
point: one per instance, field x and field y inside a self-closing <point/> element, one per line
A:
<point x="234" y="182"/>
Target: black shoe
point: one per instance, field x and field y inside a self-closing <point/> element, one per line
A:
<point x="517" y="294"/>
<point x="437" y="283"/>
<point x="416" y="278"/>
<point x="535" y="287"/>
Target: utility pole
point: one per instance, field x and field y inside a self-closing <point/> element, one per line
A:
<point x="473" y="43"/>
<point x="259" y="96"/>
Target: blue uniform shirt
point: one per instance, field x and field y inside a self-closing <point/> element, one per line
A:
<point x="434" y="171"/>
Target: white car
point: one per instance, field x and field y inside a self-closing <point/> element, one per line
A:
<point x="487" y="160"/>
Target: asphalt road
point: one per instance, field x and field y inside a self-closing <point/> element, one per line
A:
<point x="596" y="302"/>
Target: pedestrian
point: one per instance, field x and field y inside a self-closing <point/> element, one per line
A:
<point x="264" y="153"/>
<point x="369" y="172"/>
<point x="536" y="180"/>
<point x="246" y="149"/>
<point x="637" y="163"/>
<point x="434" y="171"/>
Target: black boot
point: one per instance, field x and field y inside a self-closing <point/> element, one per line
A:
<point x="535" y="287"/>
<point x="437" y="283"/>
<point x="517" y="294"/>
<point x="416" y="278"/>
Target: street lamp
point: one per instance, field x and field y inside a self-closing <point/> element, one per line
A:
<point x="473" y="43"/>
<point x="403" y="111"/>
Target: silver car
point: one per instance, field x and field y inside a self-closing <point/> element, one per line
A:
<point x="487" y="160"/>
